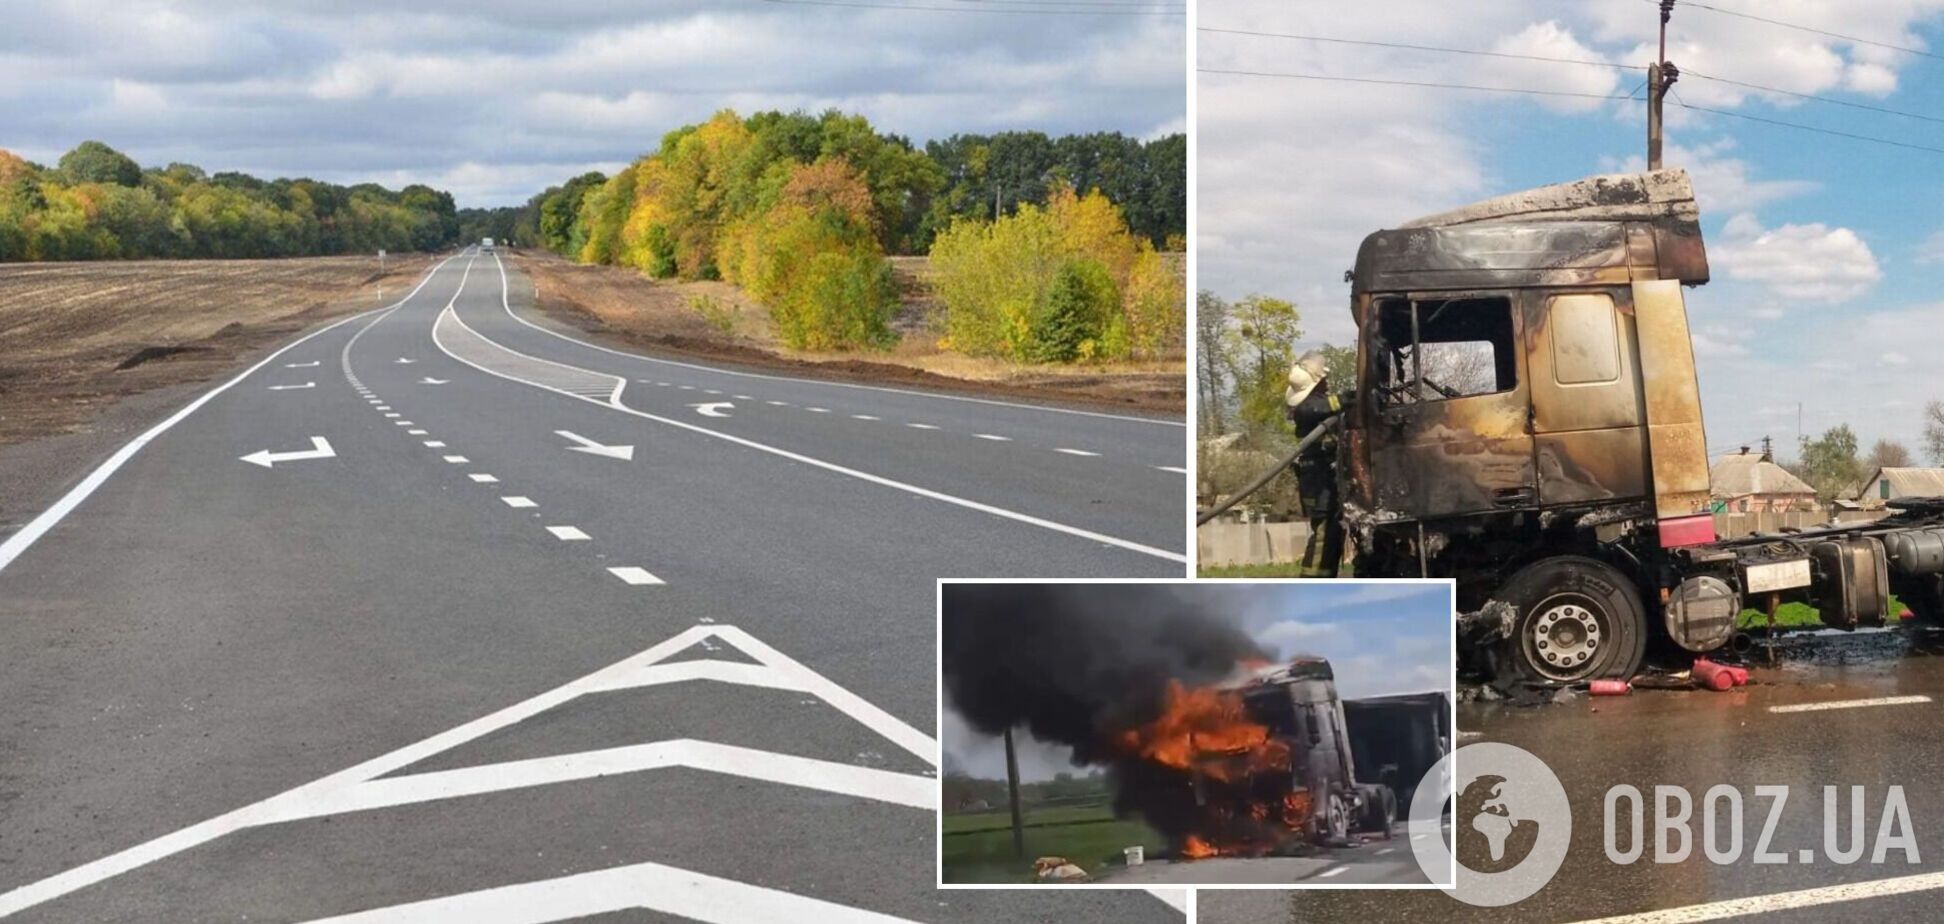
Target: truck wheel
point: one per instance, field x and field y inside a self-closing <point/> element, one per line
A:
<point x="1579" y="619"/>
<point x="1339" y="820"/>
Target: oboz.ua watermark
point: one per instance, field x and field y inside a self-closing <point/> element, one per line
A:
<point x="1512" y="824"/>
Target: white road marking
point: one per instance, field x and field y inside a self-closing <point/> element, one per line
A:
<point x="293" y="387"/>
<point x="743" y="398"/>
<point x="428" y="380"/>
<point x="1174" y="898"/>
<point x="906" y="487"/>
<point x="634" y="575"/>
<point x="482" y="478"/>
<point x="671" y="891"/>
<point x="406" y="362"/>
<point x="457" y="460"/>
<point x="393" y="414"/>
<point x="1173" y="468"/>
<point x="686" y="387"/>
<point x="1851" y="703"/>
<point x="320" y="449"/>
<point x="993" y="437"/>
<point x="301" y="365"/>
<point x="508" y="307"/>
<point x="713" y="409"/>
<point x="864" y="417"/>
<point x="415" y="432"/>
<point x="921" y="426"/>
<point x="711" y="391"/>
<point x="435" y="444"/>
<point x="1782" y="901"/>
<point x="383" y="407"/>
<point x="518" y="501"/>
<point x="818" y="410"/>
<point x="567" y="533"/>
<point x="592" y="448"/>
<point x="780" y="403"/>
<point x="369" y="785"/>
<point x="1075" y="452"/>
<point x="1332" y="871"/>
<point x="1386" y="850"/>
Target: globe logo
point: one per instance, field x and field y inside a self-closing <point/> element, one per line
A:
<point x="1510" y="819"/>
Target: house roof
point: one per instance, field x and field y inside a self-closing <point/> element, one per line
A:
<point x="1745" y="473"/>
<point x="1908" y="482"/>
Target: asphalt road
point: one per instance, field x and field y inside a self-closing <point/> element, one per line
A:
<point x="1863" y="711"/>
<point x="1377" y="861"/>
<point x="392" y="626"/>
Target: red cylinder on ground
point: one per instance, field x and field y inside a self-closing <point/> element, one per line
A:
<point x="1713" y="676"/>
<point x="1609" y="688"/>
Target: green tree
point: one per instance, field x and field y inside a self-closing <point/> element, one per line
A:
<point x="1829" y="462"/>
<point x="1262" y="338"/>
<point x="1074" y="313"/>
<point x="94" y="162"/>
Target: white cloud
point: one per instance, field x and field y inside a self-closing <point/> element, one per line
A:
<point x="1796" y="261"/>
<point x="1551" y="40"/>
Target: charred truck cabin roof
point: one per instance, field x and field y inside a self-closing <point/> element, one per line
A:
<point x="1527" y="419"/>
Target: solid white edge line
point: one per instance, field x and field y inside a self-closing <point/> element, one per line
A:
<point x="881" y="480"/>
<point x="1781" y="901"/>
<point x="784" y="378"/>
<point x="37" y="527"/>
<point x="1851" y="703"/>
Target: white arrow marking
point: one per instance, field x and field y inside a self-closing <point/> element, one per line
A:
<point x="428" y="380"/>
<point x="300" y="365"/>
<point x="266" y="458"/>
<point x="624" y="453"/>
<point x="712" y="409"/>
<point x="289" y="387"/>
<point x="406" y="362"/>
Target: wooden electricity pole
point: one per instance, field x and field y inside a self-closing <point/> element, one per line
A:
<point x="1660" y="78"/>
<point x="1012" y="787"/>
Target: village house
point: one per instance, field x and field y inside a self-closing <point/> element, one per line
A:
<point x="1750" y="482"/>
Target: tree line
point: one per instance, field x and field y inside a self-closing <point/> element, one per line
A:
<point x="917" y="192"/>
<point x="97" y="203"/>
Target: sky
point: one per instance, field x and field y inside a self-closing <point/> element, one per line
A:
<point x="1381" y="637"/>
<point x="494" y="100"/>
<point x="1827" y="253"/>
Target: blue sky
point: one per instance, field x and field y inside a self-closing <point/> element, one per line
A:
<point x="1827" y="252"/>
<point x="1381" y="637"/>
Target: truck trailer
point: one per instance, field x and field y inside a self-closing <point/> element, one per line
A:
<point x="1526" y="419"/>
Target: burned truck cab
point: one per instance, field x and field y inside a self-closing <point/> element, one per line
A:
<point x="1324" y="798"/>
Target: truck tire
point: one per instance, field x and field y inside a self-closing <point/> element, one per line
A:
<point x="1578" y="620"/>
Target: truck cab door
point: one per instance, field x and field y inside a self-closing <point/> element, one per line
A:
<point x="1588" y="413"/>
<point x="1448" y="405"/>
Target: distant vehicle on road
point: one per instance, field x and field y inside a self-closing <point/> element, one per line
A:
<point x="485" y="243"/>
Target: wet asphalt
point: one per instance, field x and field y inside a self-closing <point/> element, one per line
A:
<point x="1696" y="740"/>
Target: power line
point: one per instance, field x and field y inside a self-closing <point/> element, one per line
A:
<point x="1128" y="11"/>
<point x="1525" y="91"/>
<point x="1408" y="47"/>
<point x="1579" y="61"/>
<point x="1802" y="28"/>
<point x="1411" y="83"/>
<point x="1808" y="128"/>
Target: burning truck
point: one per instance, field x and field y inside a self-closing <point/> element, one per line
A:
<point x="1274" y="761"/>
<point x="1220" y="749"/>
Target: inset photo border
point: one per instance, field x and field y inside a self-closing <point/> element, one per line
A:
<point x="1172" y="733"/>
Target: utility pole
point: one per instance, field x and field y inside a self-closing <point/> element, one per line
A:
<point x="1660" y="79"/>
<point x="1012" y="787"/>
<point x="1768" y="449"/>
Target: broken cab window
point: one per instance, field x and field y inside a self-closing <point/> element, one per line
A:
<point x="1442" y="348"/>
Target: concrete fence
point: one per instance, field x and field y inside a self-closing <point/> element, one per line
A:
<point x="1250" y="543"/>
<point x="1219" y="544"/>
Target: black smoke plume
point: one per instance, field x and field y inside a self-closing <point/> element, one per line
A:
<point x="1072" y="663"/>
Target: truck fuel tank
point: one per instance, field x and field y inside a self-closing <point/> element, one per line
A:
<point x="1856" y="582"/>
<point x="1916" y="552"/>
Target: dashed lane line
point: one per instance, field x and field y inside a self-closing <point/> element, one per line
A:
<point x="634" y="575"/>
<point x="993" y="437"/>
<point x="921" y="426"/>
<point x="1075" y="452"/>
<point x="457" y="460"/>
<point x="567" y="533"/>
<point x="435" y="444"/>
<point x="415" y="432"/>
<point x="443" y="331"/>
<point x="518" y="501"/>
<point x="482" y="478"/>
<point x="864" y="417"/>
<point x="1172" y="468"/>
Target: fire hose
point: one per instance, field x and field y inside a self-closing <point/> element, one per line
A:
<point x="1316" y="433"/>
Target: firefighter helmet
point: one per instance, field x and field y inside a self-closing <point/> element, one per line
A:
<point x="1304" y="376"/>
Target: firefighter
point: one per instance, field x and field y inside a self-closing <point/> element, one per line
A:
<point x="1310" y="402"/>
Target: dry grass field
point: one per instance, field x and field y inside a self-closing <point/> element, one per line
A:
<point x="75" y="337"/>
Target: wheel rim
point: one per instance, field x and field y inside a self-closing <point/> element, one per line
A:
<point x="1565" y="639"/>
<point x="1339" y="824"/>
